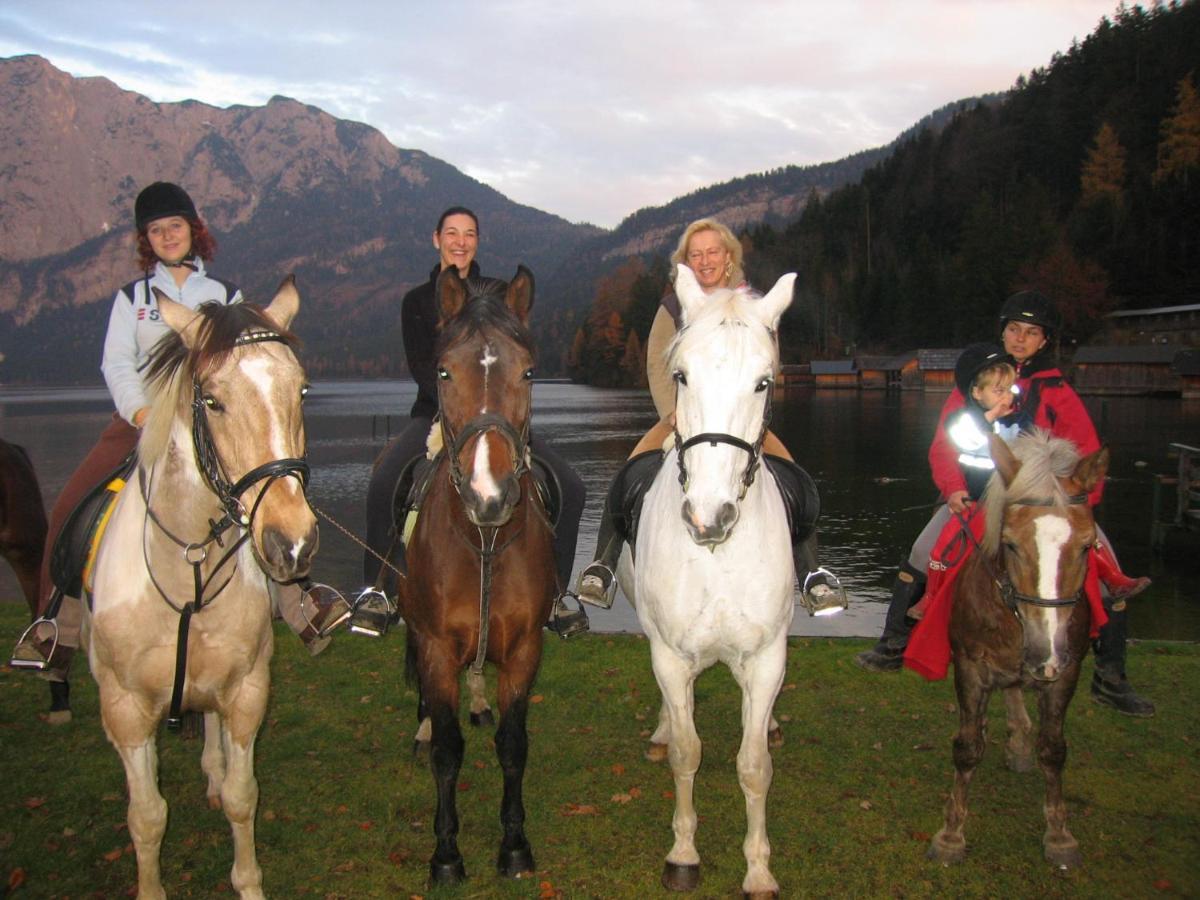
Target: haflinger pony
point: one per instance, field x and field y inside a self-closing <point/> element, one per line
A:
<point x="180" y="607"/>
<point x="481" y="574"/>
<point x="1020" y="619"/>
<point x="711" y="576"/>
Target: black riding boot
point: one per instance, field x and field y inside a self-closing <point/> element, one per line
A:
<point x="1110" y="687"/>
<point x="888" y="654"/>
<point x="622" y="507"/>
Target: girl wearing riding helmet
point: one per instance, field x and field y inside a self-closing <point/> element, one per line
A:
<point x="173" y="245"/>
<point x="1028" y="321"/>
<point x="714" y="255"/>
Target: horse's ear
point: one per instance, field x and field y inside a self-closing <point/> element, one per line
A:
<point x="687" y="289"/>
<point x="1090" y="470"/>
<point x="285" y="305"/>
<point x="1006" y="464"/>
<point x="519" y="296"/>
<point x="451" y="295"/>
<point x="770" y="307"/>
<point x="178" y="317"/>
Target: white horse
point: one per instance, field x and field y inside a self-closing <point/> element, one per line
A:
<point x="713" y="574"/>
<point x="224" y="443"/>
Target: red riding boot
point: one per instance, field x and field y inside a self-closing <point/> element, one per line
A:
<point x="1119" y="585"/>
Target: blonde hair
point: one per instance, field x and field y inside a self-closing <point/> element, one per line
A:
<point x="999" y="373"/>
<point x="732" y="245"/>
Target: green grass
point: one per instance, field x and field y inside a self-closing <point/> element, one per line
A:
<point x="859" y="786"/>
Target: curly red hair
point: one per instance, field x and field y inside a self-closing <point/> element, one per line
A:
<point x="204" y="245"/>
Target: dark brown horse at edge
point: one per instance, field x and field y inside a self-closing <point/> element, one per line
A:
<point x="481" y="573"/>
<point x="1020" y="619"/>
<point x="22" y="538"/>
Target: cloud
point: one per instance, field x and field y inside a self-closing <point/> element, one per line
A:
<point x="590" y="112"/>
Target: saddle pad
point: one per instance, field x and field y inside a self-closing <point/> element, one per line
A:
<point x="75" y="548"/>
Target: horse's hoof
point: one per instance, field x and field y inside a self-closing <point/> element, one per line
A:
<point x="58" y="717"/>
<point x="515" y="863"/>
<point x="945" y="851"/>
<point x="760" y="895"/>
<point x="483" y="719"/>
<point x="447" y="873"/>
<point x="1064" y="856"/>
<point x="680" y="877"/>
<point x="656" y="753"/>
<point x="775" y="738"/>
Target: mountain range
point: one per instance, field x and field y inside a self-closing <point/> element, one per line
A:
<point x="286" y="187"/>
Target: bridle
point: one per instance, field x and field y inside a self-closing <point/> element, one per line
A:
<point x="518" y="440"/>
<point x="713" y="438"/>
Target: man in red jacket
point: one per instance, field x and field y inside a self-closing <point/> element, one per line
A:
<point x="1029" y="321"/>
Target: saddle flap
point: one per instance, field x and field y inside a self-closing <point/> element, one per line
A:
<point x="74" y="551"/>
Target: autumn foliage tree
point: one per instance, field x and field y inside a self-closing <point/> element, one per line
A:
<point x="1179" y="148"/>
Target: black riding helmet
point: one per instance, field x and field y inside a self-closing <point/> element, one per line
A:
<point x="160" y="200"/>
<point x="973" y="360"/>
<point x="1032" y="308"/>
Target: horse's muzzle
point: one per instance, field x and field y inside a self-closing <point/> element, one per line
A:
<point x="495" y="510"/>
<point x="285" y="557"/>
<point x="714" y="532"/>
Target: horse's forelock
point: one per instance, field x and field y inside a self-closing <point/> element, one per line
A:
<point x="484" y="311"/>
<point x="1045" y="460"/>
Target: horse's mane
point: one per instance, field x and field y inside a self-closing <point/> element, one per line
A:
<point x="1044" y="460"/>
<point x="485" y="310"/>
<point x="172" y="364"/>
<point x="723" y="308"/>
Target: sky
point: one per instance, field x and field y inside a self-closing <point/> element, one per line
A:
<point x="589" y="111"/>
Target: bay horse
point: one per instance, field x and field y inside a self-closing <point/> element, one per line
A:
<point x="481" y="574"/>
<point x="713" y="574"/>
<point x="180" y="601"/>
<point x="1020" y="620"/>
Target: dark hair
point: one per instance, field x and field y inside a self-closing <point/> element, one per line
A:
<point x="204" y="245"/>
<point x="456" y="211"/>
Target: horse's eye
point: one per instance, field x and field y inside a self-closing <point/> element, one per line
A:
<point x="443" y="374"/>
<point x="679" y="377"/>
<point x="212" y="403"/>
<point x="762" y="385"/>
<point x="1010" y="546"/>
<point x="529" y="374"/>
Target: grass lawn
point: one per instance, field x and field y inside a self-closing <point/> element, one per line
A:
<point x="345" y="812"/>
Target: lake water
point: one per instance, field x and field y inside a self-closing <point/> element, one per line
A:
<point x="866" y="451"/>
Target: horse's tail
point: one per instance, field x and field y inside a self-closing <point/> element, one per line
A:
<point x="411" y="676"/>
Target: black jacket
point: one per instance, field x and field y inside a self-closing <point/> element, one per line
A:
<point x="419" y="324"/>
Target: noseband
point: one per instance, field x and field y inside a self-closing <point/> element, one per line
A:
<point x="209" y="461"/>
<point x="712" y="438"/>
<point x="518" y="441"/>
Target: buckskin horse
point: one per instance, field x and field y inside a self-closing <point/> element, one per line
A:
<point x="713" y="574"/>
<point x="180" y="605"/>
<point x="481" y="575"/>
<point x="1020" y="619"/>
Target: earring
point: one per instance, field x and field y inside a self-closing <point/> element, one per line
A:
<point x="728" y="267"/>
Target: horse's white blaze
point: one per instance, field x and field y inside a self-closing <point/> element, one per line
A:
<point x="1050" y="534"/>
<point x="258" y="370"/>
<point x="482" y="481"/>
<point x="488" y="359"/>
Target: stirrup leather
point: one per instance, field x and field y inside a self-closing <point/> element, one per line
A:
<point x="372" y="612"/>
<point x="33" y="658"/>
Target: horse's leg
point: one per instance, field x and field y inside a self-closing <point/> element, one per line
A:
<point x="949" y="845"/>
<point x="241" y="717"/>
<point x="681" y="871"/>
<point x="774" y="734"/>
<point x="512" y="750"/>
<point x="481" y="712"/>
<point x="132" y="734"/>
<point x="760" y="678"/>
<point x="212" y="759"/>
<point x="1059" y="844"/>
<point x="440" y="687"/>
<point x="657" y="751"/>
<point x="1018" y="750"/>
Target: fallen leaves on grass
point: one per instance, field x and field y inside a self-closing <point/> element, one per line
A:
<point x="16" y="878"/>
<point x="536" y="698"/>
<point x="580" y="809"/>
<point x="33" y="802"/>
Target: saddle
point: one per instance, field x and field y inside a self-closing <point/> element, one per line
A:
<point x="416" y="477"/>
<point x="74" y="553"/>
<point x="801" y="499"/>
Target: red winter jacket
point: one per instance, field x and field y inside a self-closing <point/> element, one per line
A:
<point x="1058" y="410"/>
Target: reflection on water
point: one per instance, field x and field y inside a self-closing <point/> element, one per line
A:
<point x="866" y="451"/>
